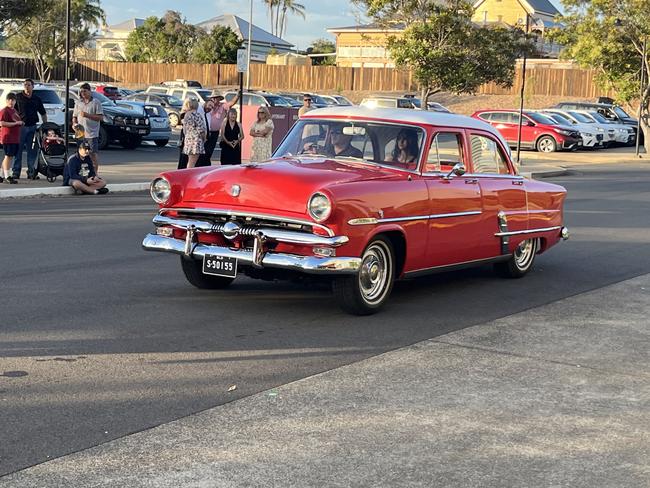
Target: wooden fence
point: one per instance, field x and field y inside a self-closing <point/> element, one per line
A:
<point x="541" y="79"/>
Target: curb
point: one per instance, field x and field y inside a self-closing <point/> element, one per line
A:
<point x="66" y="190"/>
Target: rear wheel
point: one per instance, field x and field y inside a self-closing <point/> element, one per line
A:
<point x="131" y="141"/>
<point x="520" y="262"/>
<point x="365" y="292"/>
<point x="162" y="143"/>
<point x="174" y="119"/>
<point x="546" y="144"/>
<point x="193" y="270"/>
<point x="102" y="143"/>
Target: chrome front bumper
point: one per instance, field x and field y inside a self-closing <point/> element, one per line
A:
<point x="306" y="264"/>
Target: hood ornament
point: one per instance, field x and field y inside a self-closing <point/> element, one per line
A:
<point x="235" y="190"/>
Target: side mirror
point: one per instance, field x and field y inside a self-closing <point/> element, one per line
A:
<point x="530" y="124"/>
<point x="457" y="170"/>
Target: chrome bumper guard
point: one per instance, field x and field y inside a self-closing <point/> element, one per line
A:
<point x="256" y="257"/>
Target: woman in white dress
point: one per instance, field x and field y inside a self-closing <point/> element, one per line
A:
<point x="262" y="133"/>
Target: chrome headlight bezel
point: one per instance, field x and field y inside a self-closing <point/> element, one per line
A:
<point x="319" y="207"/>
<point x="160" y="190"/>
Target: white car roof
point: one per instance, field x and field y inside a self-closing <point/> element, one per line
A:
<point x="405" y="115"/>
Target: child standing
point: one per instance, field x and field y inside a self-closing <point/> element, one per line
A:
<point x="10" y="124"/>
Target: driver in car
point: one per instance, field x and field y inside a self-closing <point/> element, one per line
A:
<point x="340" y="145"/>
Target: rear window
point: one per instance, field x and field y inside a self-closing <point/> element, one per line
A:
<point x="111" y="90"/>
<point x="48" y="96"/>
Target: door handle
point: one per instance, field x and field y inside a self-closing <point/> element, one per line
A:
<point x="471" y="181"/>
<point x="518" y="182"/>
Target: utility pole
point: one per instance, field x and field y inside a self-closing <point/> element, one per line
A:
<point x="250" y="41"/>
<point x="521" y="96"/>
<point x="66" y="123"/>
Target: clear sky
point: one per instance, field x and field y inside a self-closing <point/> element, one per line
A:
<point x="321" y="14"/>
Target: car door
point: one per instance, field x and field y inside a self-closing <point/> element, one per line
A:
<point x="504" y="123"/>
<point x="454" y="201"/>
<point x="504" y="204"/>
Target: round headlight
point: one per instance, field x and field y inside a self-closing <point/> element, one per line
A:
<point x="160" y="190"/>
<point x="319" y="207"/>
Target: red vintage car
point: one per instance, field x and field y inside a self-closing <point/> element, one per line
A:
<point x="360" y="197"/>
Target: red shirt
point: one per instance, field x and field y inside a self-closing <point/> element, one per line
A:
<point x="9" y="135"/>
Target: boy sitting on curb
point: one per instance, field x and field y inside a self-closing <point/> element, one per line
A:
<point x="79" y="173"/>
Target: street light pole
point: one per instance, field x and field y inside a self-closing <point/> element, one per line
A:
<point x="521" y="96"/>
<point x="638" y="122"/>
<point x="67" y="77"/>
<point x="250" y="41"/>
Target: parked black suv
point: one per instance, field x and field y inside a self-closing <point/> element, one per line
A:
<point x="119" y="124"/>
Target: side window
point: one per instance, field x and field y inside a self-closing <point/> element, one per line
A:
<point x="446" y="150"/>
<point x="513" y="118"/>
<point x="404" y="104"/>
<point x="500" y="117"/>
<point x="178" y="94"/>
<point x="247" y="99"/>
<point x="486" y="156"/>
<point x="487" y="116"/>
<point x="257" y="100"/>
<point x="230" y="96"/>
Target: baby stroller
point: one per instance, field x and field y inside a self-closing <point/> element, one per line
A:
<point x="51" y="150"/>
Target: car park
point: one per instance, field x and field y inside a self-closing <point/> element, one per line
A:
<point x="538" y="131"/>
<point x="160" y="130"/>
<point x="388" y="102"/>
<point x="54" y="106"/>
<point x="359" y="222"/>
<point x="171" y="104"/>
<point x="119" y="124"/>
<point x="200" y="94"/>
<point x="624" y="134"/>
<point x="592" y="137"/>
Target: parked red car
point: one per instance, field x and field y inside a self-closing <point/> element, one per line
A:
<point x="108" y="91"/>
<point x="359" y="197"/>
<point x="538" y="131"/>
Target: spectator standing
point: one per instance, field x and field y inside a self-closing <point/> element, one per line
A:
<point x="214" y="117"/>
<point x="28" y="106"/>
<point x="231" y="137"/>
<point x="10" y="125"/>
<point x="88" y="113"/>
<point x="306" y="106"/>
<point x="80" y="174"/>
<point x="262" y="133"/>
<point x="195" y="132"/>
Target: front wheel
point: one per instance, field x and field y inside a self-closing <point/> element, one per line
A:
<point x="193" y="270"/>
<point x="546" y="144"/>
<point x="520" y="262"/>
<point x="161" y="143"/>
<point x="174" y="119"/>
<point x="367" y="291"/>
<point x="131" y="141"/>
<point x="103" y="141"/>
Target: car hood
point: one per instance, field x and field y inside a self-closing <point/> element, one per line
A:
<point x="283" y="185"/>
<point x="114" y="110"/>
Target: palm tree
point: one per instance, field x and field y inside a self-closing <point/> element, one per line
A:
<point x="272" y="5"/>
<point x="291" y="7"/>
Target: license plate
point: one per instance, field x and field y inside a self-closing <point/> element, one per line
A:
<point x="142" y="131"/>
<point x="219" y="266"/>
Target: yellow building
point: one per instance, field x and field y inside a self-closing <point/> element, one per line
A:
<point x="363" y="46"/>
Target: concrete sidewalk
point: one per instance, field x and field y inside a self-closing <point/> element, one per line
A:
<point x="554" y="396"/>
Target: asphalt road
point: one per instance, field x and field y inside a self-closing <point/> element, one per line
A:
<point x="99" y="339"/>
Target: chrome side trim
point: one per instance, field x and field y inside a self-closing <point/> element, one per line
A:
<point x="403" y="219"/>
<point x="451" y="267"/>
<point x="363" y="221"/>
<point x="267" y="233"/>
<point x="373" y="221"/>
<point x="235" y="213"/>
<point x="529" y="231"/>
<point x="455" y="214"/>
<point x="306" y="264"/>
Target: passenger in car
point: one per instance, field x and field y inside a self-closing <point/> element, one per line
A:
<point x="406" y="148"/>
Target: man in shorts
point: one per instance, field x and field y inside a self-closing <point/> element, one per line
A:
<point x="79" y="173"/>
<point x="10" y="124"/>
<point x="88" y="113"/>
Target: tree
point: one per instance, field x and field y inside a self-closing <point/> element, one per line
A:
<point x="168" y="39"/>
<point x="17" y="12"/>
<point x="278" y="10"/>
<point x="43" y="36"/>
<point x="219" y="46"/>
<point x="323" y="46"/>
<point x="443" y="47"/>
<point x="608" y="36"/>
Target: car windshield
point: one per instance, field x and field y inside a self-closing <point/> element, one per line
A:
<point x="172" y="100"/>
<point x="541" y="118"/>
<point x="560" y="119"/>
<point x="621" y="113"/>
<point x="582" y="118"/>
<point x="342" y="100"/>
<point x="103" y="99"/>
<point x="48" y="96"/>
<point x="204" y="94"/>
<point x="600" y="118"/>
<point x="330" y="101"/>
<point x="416" y="102"/>
<point x="318" y="100"/>
<point x="371" y="141"/>
<point x="277" y="101"/>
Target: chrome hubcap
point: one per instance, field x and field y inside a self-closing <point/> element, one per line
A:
<point x="524" y="253"/>
<point x="374" y="274"/>
<point x="546" y="145"/>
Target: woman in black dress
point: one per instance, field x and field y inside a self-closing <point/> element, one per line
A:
<point x="231" y="137"/>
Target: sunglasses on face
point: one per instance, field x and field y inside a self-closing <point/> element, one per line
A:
<point x="308" y="100"/>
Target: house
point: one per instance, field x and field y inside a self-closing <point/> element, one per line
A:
<point x="541" y="17"/>
<point x="110" y="43"/>
<point x="263" y="43"/>
<point x="364" y="46"/>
